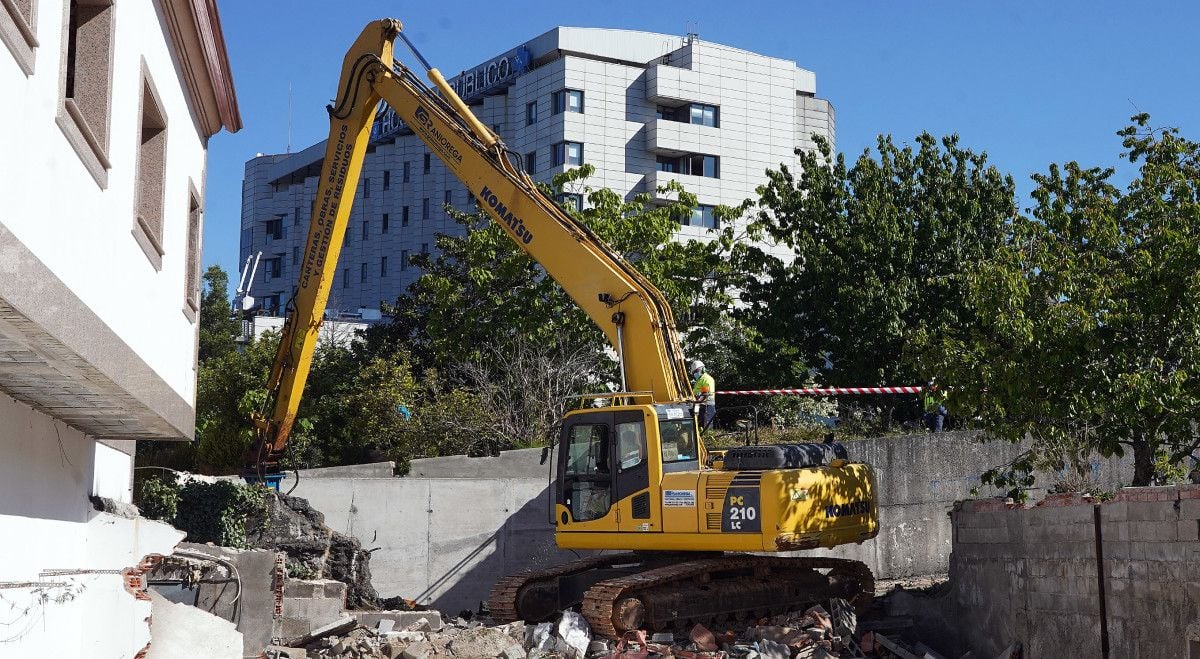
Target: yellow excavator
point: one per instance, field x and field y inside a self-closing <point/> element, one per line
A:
<point x="632" y="472"/>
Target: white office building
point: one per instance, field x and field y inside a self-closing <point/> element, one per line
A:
<point x="642" y="108"/>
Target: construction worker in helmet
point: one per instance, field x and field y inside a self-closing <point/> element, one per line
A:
<point x="933" y="402"/>
<point x="705" y="390"/>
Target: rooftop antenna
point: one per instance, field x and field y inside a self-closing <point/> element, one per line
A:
<point x="243" y="290"/>
<point x="692" y="28"/>
<point x="289" y="143"/>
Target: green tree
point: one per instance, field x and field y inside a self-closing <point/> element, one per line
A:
<point x="877" y="260"/>
<point x="229" y="387"/>
<point x="1089" y="325"/>
<point x="218" y="328"/>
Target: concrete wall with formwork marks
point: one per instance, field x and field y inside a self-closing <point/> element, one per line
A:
<point x="441" y="541"/>
<point x="446" y="532"/>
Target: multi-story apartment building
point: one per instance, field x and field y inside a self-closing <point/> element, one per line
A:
<point x="108" y="106"/>
<point x="642" y="108"/>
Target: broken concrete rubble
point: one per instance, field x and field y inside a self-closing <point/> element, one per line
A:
<point x="820" y="632"/>
<point x="291" y="525"/>
<point x="180" y="630"/>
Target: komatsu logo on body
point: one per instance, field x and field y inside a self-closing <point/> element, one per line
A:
<point x="425" y="124"/>
<point x="855" y="508"/>
<point x="515" y="223"/>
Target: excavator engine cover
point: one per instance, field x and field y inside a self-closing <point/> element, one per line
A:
<point x="783" y="456"/>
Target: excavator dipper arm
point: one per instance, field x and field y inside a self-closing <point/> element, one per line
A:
<point x="633" y="314"/>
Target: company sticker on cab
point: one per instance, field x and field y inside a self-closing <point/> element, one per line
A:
<point x="679" y="499"/>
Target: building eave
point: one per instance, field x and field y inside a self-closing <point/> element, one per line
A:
<point x="195" y="28"/>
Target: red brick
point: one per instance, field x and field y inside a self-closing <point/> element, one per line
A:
<point x="1064" y="499"/>
<point x="1164" y="493"/>
<point x="1188" y="491"/>
<point x="984" y="505"/>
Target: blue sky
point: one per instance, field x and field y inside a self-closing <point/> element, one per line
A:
<point x="1030" y="83"/>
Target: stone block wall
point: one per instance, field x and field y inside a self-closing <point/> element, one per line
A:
<point x="1035" y="575"/>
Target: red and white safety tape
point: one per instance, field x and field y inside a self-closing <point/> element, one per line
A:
<point x="824" y="391"/>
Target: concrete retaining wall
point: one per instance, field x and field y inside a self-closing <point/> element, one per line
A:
<point x="1030" y="575"/>
<point x="444" y="534"/>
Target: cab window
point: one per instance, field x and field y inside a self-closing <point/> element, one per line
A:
<point x="678" y="440"/>
<point x="631" y="444"/>
<point x="587" y="477"/>
<point x="587" y="450"/>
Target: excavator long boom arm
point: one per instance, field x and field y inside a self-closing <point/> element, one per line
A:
<point x="631" y="311"/>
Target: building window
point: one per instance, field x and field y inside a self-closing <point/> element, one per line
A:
<point x="531" y="162"/>
<point x="274" y="229"/>
<point x="424" y="248"/>
<point x="426" y="164"/>
<point x="448" y="197"/>
<point x="571" y="201"/>
<point x="531" y="113"/>
<point x="345" y="277"/>
<point x="387" y="180"/>
<point x="18" y="31"/>
<point x="270" y="303"/>
<point x="151" y="175"/>
<point x="425" y="208"/>
<point x="568" y="153"/>
<point x="366" y="188"/>
<point x="383" y="266"/>
<point x="295" y="255"/>
<point x="705" y="115"/>
<point x="296" y="217"/>
<point x="568" y="100"/>
<point x="362" y="273"/>
<point x="695" y="164"/>
<point x="404" y="216"/>
<point x="384" y="228"/>
<point x="85" y="76"/>
<point x="406" y="176"/>
<point x="192" y="276"/>
<point x="403" y="259"/>
<point x="274" y="269"/>
<point x="702" y="216"/>
<point x="701" y="165"/>
<point x="366" y="229"/>
<point x="346" y="237"/>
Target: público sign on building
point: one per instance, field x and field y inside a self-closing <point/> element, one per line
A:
<point x="470" y="85"/>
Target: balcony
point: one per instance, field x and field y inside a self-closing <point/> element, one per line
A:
<point x="672" y="85"/>
<point x="693" y="184"/>
<point x="677" y="138"/>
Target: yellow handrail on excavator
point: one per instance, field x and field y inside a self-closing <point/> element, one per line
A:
<point x="633" y="314"/>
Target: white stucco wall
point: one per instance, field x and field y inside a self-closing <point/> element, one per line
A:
<point x="82" y="232"/>
<point x="47" y="523"/>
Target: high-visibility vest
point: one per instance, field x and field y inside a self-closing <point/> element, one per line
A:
<point x="705" y="384"/>
<point x="932" y="398"/>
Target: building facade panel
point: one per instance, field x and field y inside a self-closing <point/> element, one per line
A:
<point x="654" y="108"/>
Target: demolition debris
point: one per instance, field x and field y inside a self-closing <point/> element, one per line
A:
<point x="820" y="632"/>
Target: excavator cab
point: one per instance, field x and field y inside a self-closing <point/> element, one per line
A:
<point x="611" y="460"/>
